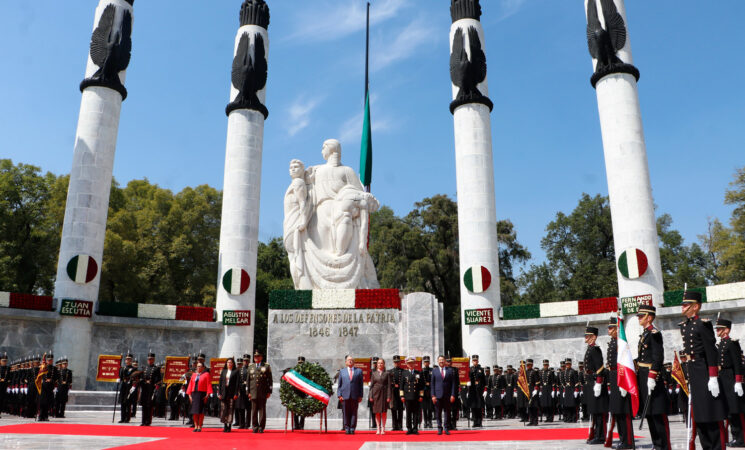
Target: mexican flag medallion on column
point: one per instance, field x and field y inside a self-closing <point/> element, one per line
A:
<point x="236" y="281"/>
<point x="477" y="279"/>
<point x="632" y="263"/>
<point x="82" y="269"/>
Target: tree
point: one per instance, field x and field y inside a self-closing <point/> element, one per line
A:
<point x="726" y="245"/>
<point x="680" y="264"/>
<point x="30" y="235"/>
<point x="272" y="273"/>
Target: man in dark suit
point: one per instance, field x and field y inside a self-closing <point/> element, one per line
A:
<point x="350" y="393"/>
<point x="443" y="387"/>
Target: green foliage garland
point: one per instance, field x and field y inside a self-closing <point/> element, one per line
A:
<point x="299" y="403"/>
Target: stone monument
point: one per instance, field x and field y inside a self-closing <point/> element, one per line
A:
<point x="629" y="188"/>
<point x="326" y="222"/>
<point x="477" y="216"/>
<point x="86" y="210"/>
<point x="239" y="229"/>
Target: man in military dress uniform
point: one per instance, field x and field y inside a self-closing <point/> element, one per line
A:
<point x="488" y="408"/>
<point x="299" y="421"/>
<point x="582" y="376"/>
<point x="397" y="405"/>
<point x="682" y="396"/>
<point x="699" y="343"/>
<point x="510" y="383"/>
<point x="731" y="376"/>
<point x="259" y="389"/>
<point x="150" y="378"/>
<point x="618" y="400"/>
<point x="492" y="394"/>
<point x="427" y="406"/>
<point x="411" y="391"/>
<point x="672" y="398"/>
<point x="596" y="390"/>
<point x="477" y="384"/>
<point x="63" y="388"/>
<point x="649" y="382"/>
<point x="548" y="386"/>
<point x="571" y="392"/>
<point x="243" y="404"/>
<point x="534" y="390"/>
<point x="521" y="403"/>
<point x="455" y="407"/>
<point x="125" y="380"/>
<point x="49" y="380"/>
<point x="4" y="381"/>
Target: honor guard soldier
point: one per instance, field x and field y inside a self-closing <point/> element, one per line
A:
<point x="682" y="396"/>
<point x="476" y="386"/>
<point x="63" y="388"/>
<point x="259" y="389"/>
<point x="560" y="390"/>
<point x="534" y="390"/>
<point x="731" y="377"/>
<point x="548" y="386"/>
<point x="49" y="379"/>
<point x="411" y="392"/>
<point x="488" y="409"/>
<point x="32" y="395"/>
<point x="510" y="382"/>
<point x="582" y="394"/>
<point x="4" y="382"/>
<point x="397" y="405"/>
<point x="619" y="403"/>
<point x="492" y="394"/>
<point x="243" y="404"/>
<point x="699" y="343"/>
<point x="373" y="422"/>
<point x="571" y="392"/>
<point x="427" y="406"/>
<point x="672" y="399"/>
<point x="150" y="378"/>
<point x="125" y="380"/>
<point x="455" y="407"/>
<point x="298" y="420"/>
<point x="596" y="391"/>
<point x="651" y="355"/>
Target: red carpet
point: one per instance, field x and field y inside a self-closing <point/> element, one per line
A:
<point x="214" y="438"/>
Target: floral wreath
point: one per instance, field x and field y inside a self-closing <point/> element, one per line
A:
<point x="299" y="403"/>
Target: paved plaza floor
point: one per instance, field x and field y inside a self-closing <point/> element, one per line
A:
<point x="82" y="430"/>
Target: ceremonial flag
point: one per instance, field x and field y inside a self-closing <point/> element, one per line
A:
<point x="42" y="372"/>
<point x="522" y="380"/>
<point x="366" y="145"/>
<point x="678" y="374"/>
<point x="626" y="373"/>
<point x="306" y="386"/>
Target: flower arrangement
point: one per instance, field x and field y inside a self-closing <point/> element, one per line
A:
<point x="299" y="403"/>
<point x="29" y="301"/>
<point x="333" y="298"/>
<point x="377" y="299"/>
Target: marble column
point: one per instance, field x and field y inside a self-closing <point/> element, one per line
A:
<point x="239" y="231"/>
<point x="477" y="217"/>
<point x="629" y="187"/>
<point x="84" y="226"/>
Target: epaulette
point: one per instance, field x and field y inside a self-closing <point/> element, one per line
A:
<point x="680" y="324"/>
<point x="655" y="330"/>
<point x="704" y="320"/>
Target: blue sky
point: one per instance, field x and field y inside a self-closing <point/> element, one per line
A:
<point x="546" y="133"/>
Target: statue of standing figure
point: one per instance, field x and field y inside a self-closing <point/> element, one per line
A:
<point x="326" y="222"/>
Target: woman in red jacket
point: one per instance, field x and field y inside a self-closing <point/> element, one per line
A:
<point x="200" y="386"/>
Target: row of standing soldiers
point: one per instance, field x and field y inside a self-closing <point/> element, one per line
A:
<point x="146" y="387"/>
<point x="26" y="393"/>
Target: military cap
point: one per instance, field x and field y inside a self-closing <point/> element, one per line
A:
<point x="201" y="356"/>
<point x="509" y="366"/>
<point x="476" y="357"/>
<point x="581" y="363"/>
<point x="425" y="359"/>
<point x="397" y="358"/>
<point x="151" y="355"/>
<point x="591" y="330"/>
<point x="545" y="361"/>
<point x="300" y="359"/>
<point x="257" y="352"/>
<point x="691" y="297"/>
<point x="129" y="356"/>
<point x="495" y="367"/>
<point x="613" y="322"/>
<point x="410" y="358"/>
<point x="246" y="356"/>
<point x="529" y="361"/>
<point x="723" y="323"/>
<point x="568" y="360"/>
<point x="375" y="359"/>
<point x="668" y="364"/>
<point x="647" y="309"/>
<point x="4" y="357"/>
<point x="448" y="359"/>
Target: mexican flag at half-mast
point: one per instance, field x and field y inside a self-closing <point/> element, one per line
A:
<point x="626" y="377"/>
<point x="366" y="144"/>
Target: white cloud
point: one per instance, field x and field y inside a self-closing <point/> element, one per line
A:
<point x="331" y="20"/>
<point x="403" y="45"/>
<point x="509" y="8"/>
<point x="299" y="113"/>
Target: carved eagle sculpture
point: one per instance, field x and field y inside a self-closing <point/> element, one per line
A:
<point x="603" y="43"/>
<point x="111" y="47"/>
<point x="464" y="73"/>
<point x="249" y="74"/>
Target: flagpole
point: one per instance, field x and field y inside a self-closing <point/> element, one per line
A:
<point x="367" y="77"/>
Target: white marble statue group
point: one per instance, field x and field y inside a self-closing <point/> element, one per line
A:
<point x="326" y="225"/>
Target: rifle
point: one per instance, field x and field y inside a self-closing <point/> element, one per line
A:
<point x="690" y="429"/>
<point x="609" y="438"/>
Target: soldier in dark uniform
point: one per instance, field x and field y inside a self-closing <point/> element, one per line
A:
<point x="125" y="375"/>
<point x="596" y="391"/>
<point x="548" y="386"/>
<point x="411" y="392"/>
<point x="134" y="391"/>
<point x="649" y="362"/>
<point x="582" y="376"/>
<point x="242" y="403"/>
<point x="618" y="400"/>
<point x="510" y="382"/>
<point x="672" y="398"/>
<point x="397" y="405"/>
<point x="427" y="406"/>
<point x="259" y="389"/>
<point x="150" y="378"/>
<point x="48" y="383"/>
<point x="299" y="421"/>
<point x="534" y="390"/>
<point x="32" y="394"/>
<point x="63" y="388"/>
<point x="172" y="392"/>
<point x="488" y="408"/>
<point x="521" y="403"/>
<point x="699" y="343"/>
<point x="492" y="394"/>
<point x="4" y="381"/>
<point x="455" y="407"/>
<point x="731" y="377"/>
<point x="682" y="396"/>
<point x="373" y="422"/>
<point x="571" y="392"/>
<point x="477" y="384"/>
<point x="560" y="390"/>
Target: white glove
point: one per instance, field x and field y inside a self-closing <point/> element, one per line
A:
<point x="713" y="386"/>
<point x="596" y="389"/>
<point x="132" y="389"/>
<point x="514" y="394"/>
<point x="677" y="390"/>
<point x="738" y="389"/>
<point x="502" y="396"/>
<point x="468" y="383"/>
<point x="535" y="392"/>
<point x="117" y="380"/>
<point x="576" y="394"/>
<point x="553" y="394"/>
<point x="651" y="383"/>
<point x="623" y="391"/>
